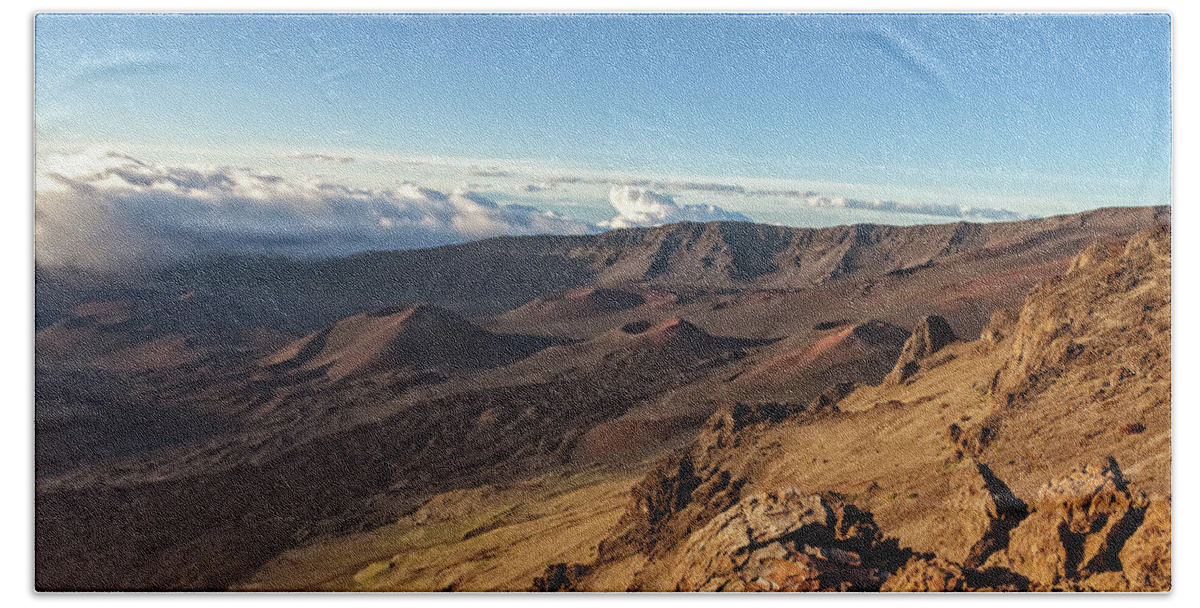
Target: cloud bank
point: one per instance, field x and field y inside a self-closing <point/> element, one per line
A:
<point x="108" y="209"/>
<point x="104" y="208"/>
<point x="957" y="211"/>
<point x="642" y="207"/>
<point x="807" y="197"/>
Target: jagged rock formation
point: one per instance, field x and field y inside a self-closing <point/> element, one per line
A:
<point x="671" y="500"/>
<point x="1089" y="531"/>
<point x="931" y="334"/>
<point x="988" y="511"/>
<point x="787" y="541"/>
<point x="1079" y="528"/>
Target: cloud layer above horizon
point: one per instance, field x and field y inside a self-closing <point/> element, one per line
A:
<point x="103" y="208"/>
<point x="107" y="209"/>
<point x="641" y="207"/>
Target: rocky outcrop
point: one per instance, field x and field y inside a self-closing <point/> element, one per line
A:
<point x="988" y="512"/>
<point x="1112" y="309"/>
<point x="788" y="541"/>
<point x="931" y="334"/>
<point x="1077" y="532"/>
<point x="1146" y="556"/>
<point x="674" y="498"/>
<point x="1089" y="531"/>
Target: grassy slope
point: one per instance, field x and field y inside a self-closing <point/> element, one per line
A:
<point x="472" y="540"/>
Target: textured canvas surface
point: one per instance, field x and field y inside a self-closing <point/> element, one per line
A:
<point x="732" y="303"/>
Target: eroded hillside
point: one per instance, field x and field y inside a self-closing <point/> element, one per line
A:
<point x="1034" y="458"/>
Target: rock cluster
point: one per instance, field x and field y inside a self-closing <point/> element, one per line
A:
<point x="1089" y="531"/>
<point x="1078" y="533"/>
<point x="788" y="541"/>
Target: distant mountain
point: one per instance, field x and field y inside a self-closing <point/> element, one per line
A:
<point x="495" y="275"/>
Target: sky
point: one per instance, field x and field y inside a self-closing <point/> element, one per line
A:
<point x="602" y="120"/>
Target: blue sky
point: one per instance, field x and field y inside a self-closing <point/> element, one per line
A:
<point x="1037" y="113"/>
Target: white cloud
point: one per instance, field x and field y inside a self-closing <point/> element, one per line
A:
<point x="642" y="207"/>
<point x="105" y="208"/>
<point x="931" y="209"/>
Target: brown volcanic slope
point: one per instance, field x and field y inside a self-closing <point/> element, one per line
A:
<point x="321" y="457"/>
<point x="1036" y="458"/>
<point x="266" y="458"/>
<point x="580" y="301"/>
<point x="799" y="373"/>
<point x="419" y="336"/>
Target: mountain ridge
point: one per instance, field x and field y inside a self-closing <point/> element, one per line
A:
<point x="494" y="275"/>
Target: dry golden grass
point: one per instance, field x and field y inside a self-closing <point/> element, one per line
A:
<point x="466" y="541"/>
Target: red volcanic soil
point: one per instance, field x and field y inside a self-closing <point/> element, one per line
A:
<point x="672" y="332"/>
<point x="988" y="285"/>
<point x="419" y="336"/>
<point x="845" y="345"/>
<point x="581" y="301"/>
<point x="678" y="336"/>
